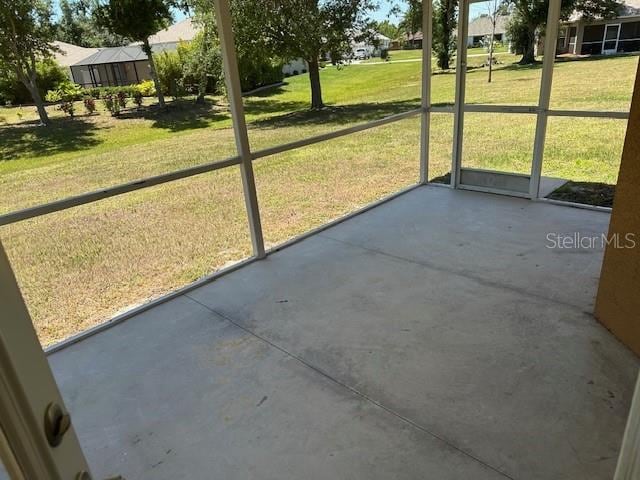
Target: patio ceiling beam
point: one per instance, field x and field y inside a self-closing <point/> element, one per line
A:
<point x="550" y="43"/>
<point x="234" y="95"/>
<point x="427" y="40"/>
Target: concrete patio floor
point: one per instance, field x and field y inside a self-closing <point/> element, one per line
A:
<point x="433" y="337"/>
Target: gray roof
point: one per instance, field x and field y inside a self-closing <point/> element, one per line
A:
<point x="67" y="54"/>
<point x="481" y="26"/>
<point x="185" y="30"/>
<point x="114" y="55"/>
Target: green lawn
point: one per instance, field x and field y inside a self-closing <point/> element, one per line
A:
<point x="80" y="266"/>
<point x="404" y="55"/>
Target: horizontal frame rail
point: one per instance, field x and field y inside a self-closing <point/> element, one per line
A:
<point x="335" y="134"/>
<point x="531" y="110"/>
<point x="104" y="193"/>
<point x="588" y="114"/>
<point x="96" y="195"/>
<point x="472" y="107"/>
<point x="90" y="197"/>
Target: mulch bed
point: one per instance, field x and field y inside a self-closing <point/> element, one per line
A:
<point x="590" y="193"/>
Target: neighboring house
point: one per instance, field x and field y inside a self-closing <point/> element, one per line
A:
<point x="107" y="67"/>
<point x="373" y="46"/>
<point x="603" y="36"/>
<point x="110" y="67"/>
<point x="481" y="27"/>
<point x="68" y="54"/>
<point x="295" y="67"/>
<point x="413" y="40"/>
<point x="169" y="38"/>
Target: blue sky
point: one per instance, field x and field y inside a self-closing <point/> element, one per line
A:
<point x="382" y="13"/>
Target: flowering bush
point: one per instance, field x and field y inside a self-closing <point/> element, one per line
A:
<point x="111" y="104"/>
<point x="67" y="107"/>
<point x="146" y="88"/>
<point x="122" y="99"/>
<point x="137" y="99"/>
<point x="89" y="105"/>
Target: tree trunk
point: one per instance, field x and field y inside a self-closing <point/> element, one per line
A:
<point x="443" y="60"/>
<point x="316" y="88"/>
<point x="493" y="35"/>
<point x="529" y="55"/>
<point x="202" y="88"/>
<point x="37" y="99"/>
<point x="154" y="74"/>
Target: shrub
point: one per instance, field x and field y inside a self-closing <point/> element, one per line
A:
<point x="53" y="96"/>
<point x="258" y="70"/>
<point x="121" y="97"/>
<point x="71" y="91"/>
<point x="295" y="72"/>
<point x="68" y="107"/>
<point x="95" y="92"/>
<point x="137" y="98"/>
<point x="66" y="93"/>
<point x="49" y="75"/>
<point x="169" y="67"/>
<point x="89" y="105"/>
<point x="111" y="103"/>
<point x="146" y="88"/>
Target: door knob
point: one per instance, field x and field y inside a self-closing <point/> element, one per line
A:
<point x="56" y="423"/>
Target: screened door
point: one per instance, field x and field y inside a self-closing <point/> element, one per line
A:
<point x="610" y="42"/>
<point x="37" y="438"/>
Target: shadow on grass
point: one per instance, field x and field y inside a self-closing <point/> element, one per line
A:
<point x="62" y="135"/>
<point x="180" y="115"/>
<point x="593" y="58"/>
<point x="266" y="106"/>
<point x="269" y="91"/>
<point x="333" y="114"/>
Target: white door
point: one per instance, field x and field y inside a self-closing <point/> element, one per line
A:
<point x="610" y="41"/>
<point x="37" y="438"/>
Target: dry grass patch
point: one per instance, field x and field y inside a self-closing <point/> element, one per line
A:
<point x="81" y="266"/>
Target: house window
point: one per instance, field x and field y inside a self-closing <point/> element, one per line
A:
<point x="629" y="37"/>
<point x="562" y="38"/>
<point x="592" y="40"/>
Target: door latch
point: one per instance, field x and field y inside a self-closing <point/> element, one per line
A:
<point x="56" y="423"/>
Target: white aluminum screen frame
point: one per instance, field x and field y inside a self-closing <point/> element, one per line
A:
<point x="74" y="460"/>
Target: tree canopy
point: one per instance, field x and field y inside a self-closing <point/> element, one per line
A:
<point x="77" y="25"/>
<point x="26" y="33"/>
<point x="444" y="25"/>
<point x="529" y="18"/>
<point x="306" y="29"/>
<point x="137" y="20"/>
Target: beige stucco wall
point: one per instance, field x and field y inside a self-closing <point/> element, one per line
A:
<point x="618" y="301"/>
